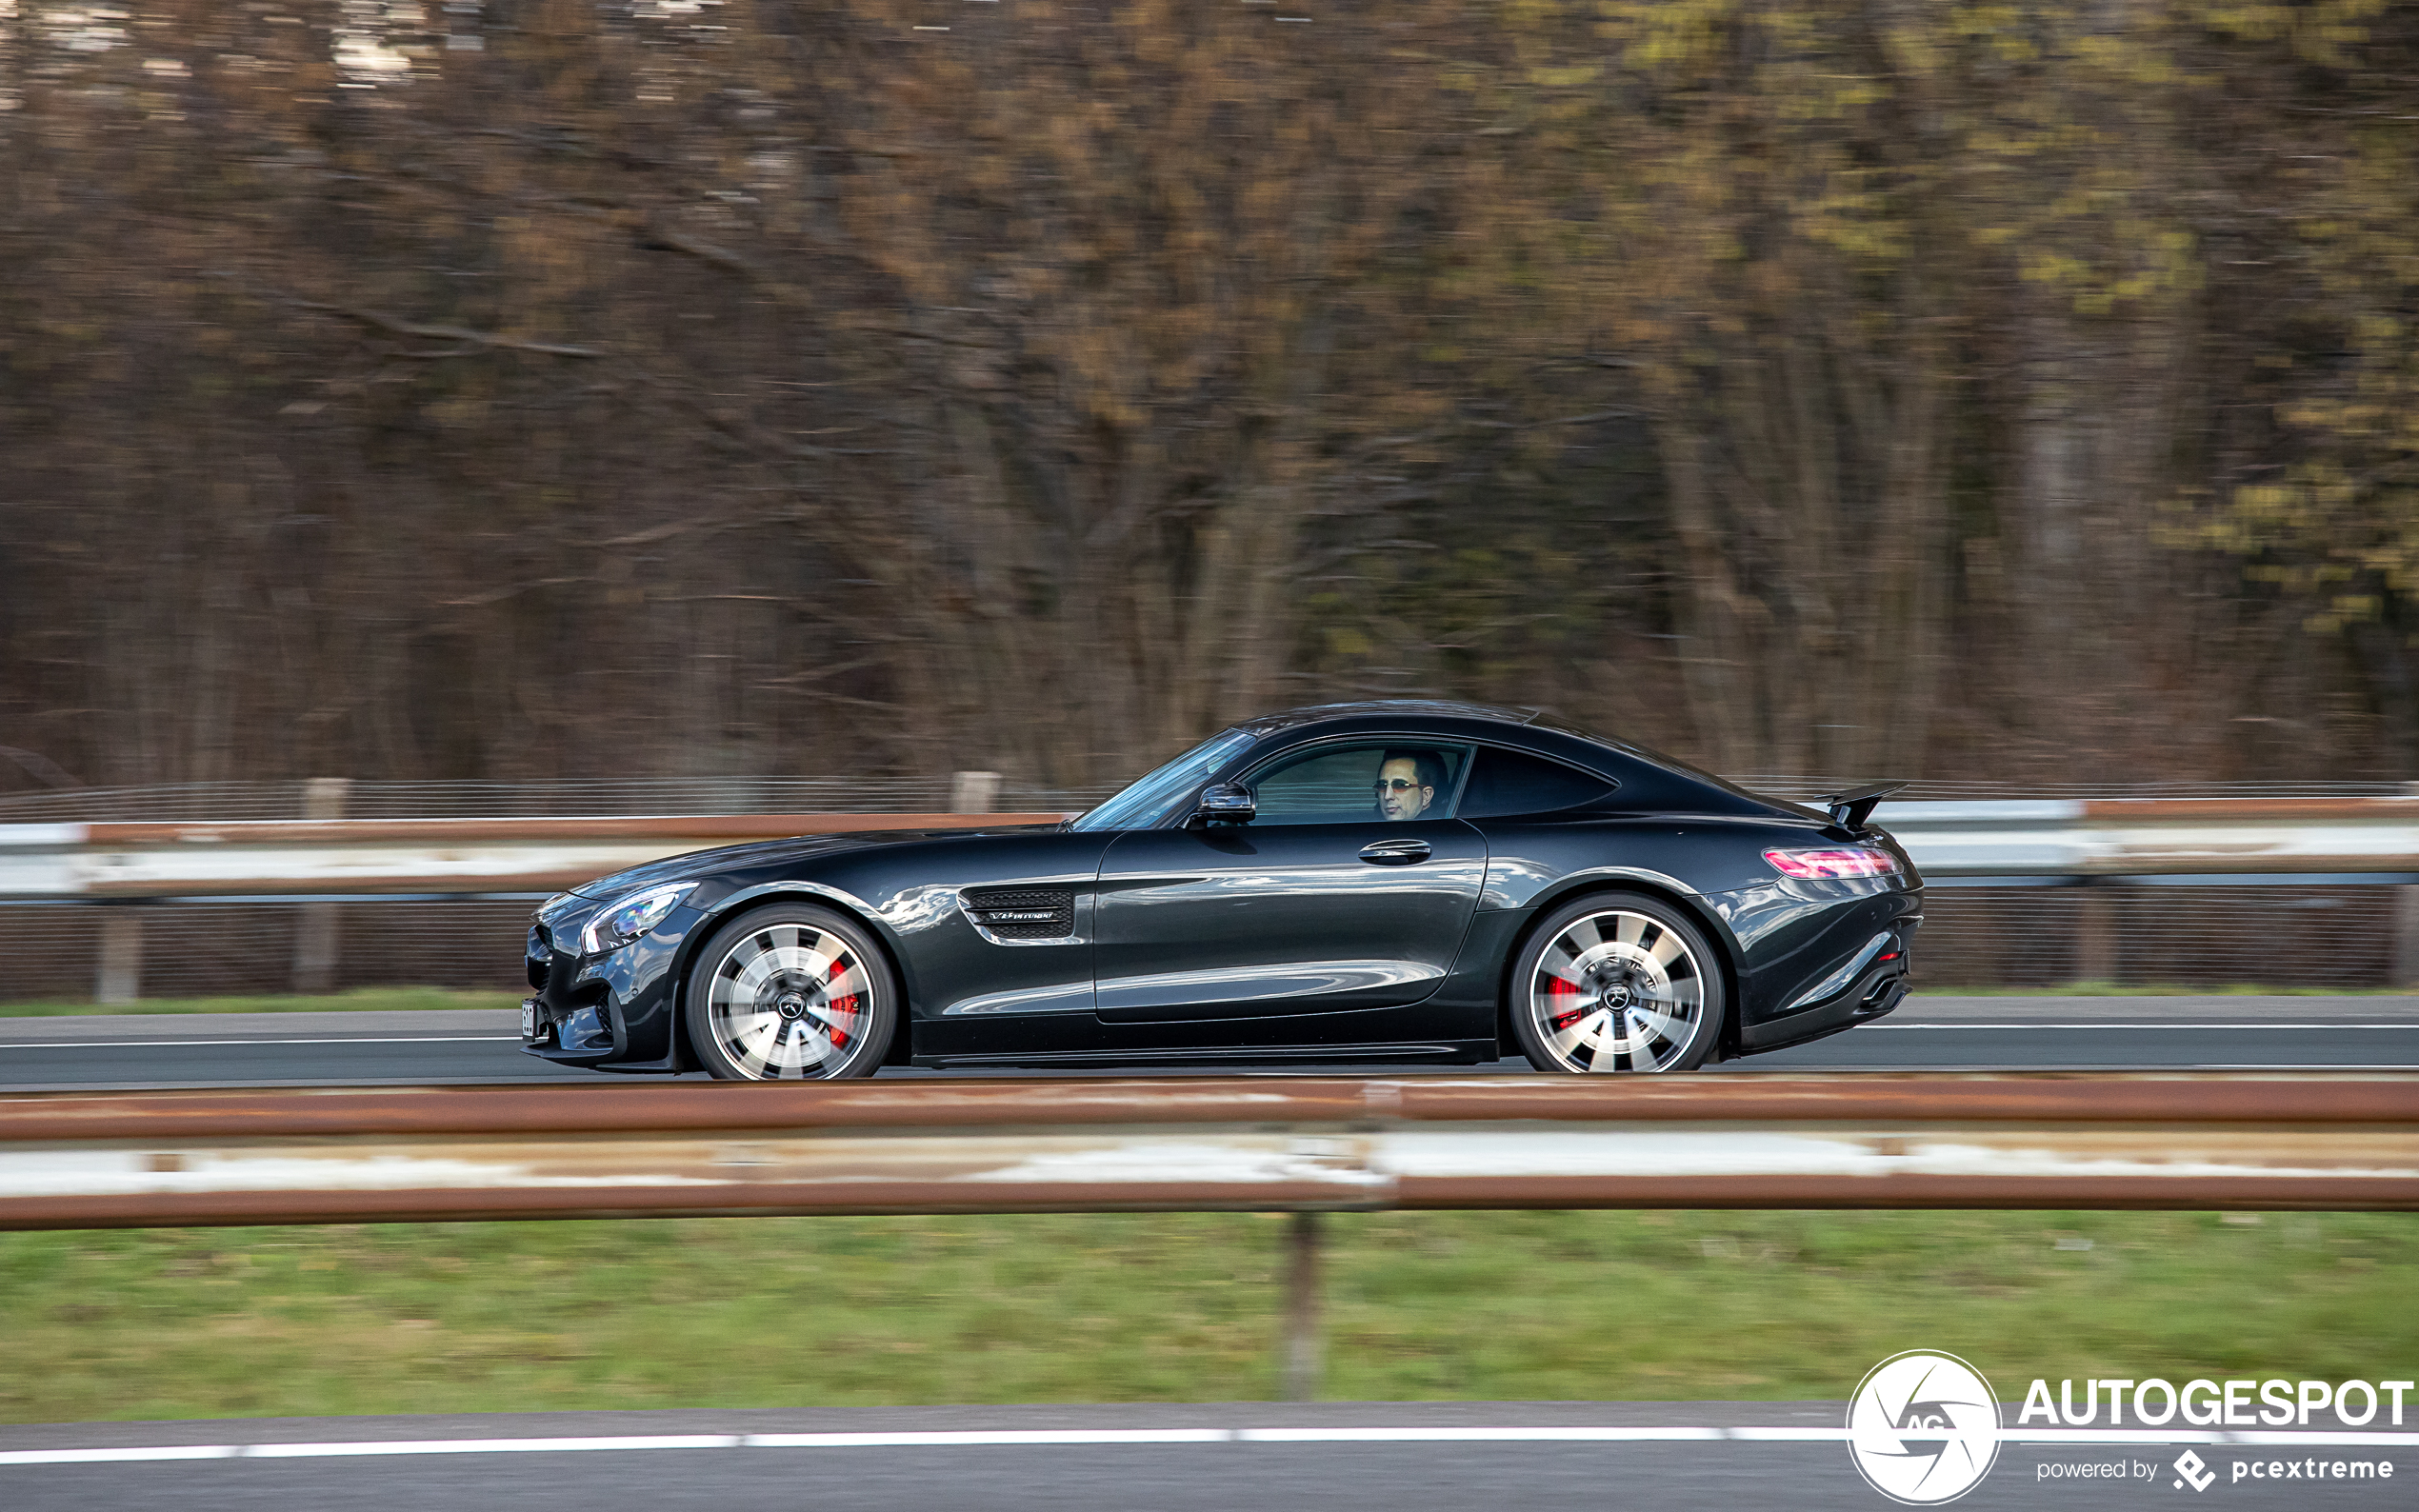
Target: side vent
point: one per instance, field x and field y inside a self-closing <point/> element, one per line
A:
<point x="1022" y="913"/>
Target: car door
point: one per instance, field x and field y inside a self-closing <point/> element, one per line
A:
<point x="1322" y="902"/>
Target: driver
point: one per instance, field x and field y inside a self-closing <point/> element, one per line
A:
<point x="1408" y="782"/>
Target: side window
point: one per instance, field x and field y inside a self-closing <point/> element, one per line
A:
<point x="1344" y="785"/>
<point x="1508" y="783"/>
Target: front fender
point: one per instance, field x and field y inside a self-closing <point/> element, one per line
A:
<point x="722" y="911"/>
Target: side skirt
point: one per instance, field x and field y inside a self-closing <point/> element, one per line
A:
<point x="1444" y="1052"/>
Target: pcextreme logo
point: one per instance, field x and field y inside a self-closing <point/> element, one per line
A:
<point x="1923" y="1428"/>
<point x="2191" y="1467"/>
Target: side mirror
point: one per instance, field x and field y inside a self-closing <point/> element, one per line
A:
<point x="1226" y="803"/>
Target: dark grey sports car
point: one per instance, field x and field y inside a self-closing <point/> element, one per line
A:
<point x="1399" y="882"/>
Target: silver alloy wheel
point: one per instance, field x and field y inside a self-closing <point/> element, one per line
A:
<point x="788" y="1000"/>
<point x="1618" y="991"/>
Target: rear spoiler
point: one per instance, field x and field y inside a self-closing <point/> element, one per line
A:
<point x="1851" y="810"/>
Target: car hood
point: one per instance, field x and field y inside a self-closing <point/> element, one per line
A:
<point x="757" y="854"/>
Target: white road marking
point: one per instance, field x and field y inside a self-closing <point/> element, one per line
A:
<point x="2276" y="1065"/>
<point x="983" y="1437"/>
<point x="318" y="1451"/>
<point x="174" y="1451"/>
<point x="1506" y="1435"/>
<point x="1038" y="1438"/>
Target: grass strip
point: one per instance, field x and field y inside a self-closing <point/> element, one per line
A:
<point x="1172" y="1307"/>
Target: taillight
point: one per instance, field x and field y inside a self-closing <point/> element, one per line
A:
<point x="1826" y="865"/>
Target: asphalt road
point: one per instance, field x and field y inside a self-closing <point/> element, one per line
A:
<point x="1449" y="1457"/>
<point x="1929" y="1033"/>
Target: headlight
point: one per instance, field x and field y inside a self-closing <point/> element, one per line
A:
<point x="624" y="921"/>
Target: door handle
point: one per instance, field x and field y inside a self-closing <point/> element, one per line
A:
<point x="1394" y="853"/>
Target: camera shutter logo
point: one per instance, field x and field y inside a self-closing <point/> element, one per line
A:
<point x="1923" y="1428"/>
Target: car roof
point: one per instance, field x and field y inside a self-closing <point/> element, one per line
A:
<point x="1536" y="731"/>
<point x="1385" y="708"/>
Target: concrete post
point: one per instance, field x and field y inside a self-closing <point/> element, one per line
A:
<point x="974" y="793"/>
<point x="1302" y="1307"/>
<point x="121" y="973"/>
<point x="317" y="932"/>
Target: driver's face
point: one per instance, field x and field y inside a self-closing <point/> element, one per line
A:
<point x="1407" y="801"/>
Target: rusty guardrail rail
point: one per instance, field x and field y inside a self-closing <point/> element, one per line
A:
<point x="2325" y="1141"/>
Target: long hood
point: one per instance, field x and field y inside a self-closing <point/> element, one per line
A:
<point x="759" y="855"/>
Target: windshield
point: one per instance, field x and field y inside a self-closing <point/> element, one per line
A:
<point x="1146" y="803"/>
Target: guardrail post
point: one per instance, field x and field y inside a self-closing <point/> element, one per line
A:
<point x="974" y="792"/>
<point x="1302" y="1306"/>
<point x="316" y="933"/>
<point x="2095" y="944"/>
<point x="2405" y="936"/>
<point x="121" y="975"/>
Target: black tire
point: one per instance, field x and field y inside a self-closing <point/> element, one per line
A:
<point x="1616" y="981"/>
<point x="791" y="992"/>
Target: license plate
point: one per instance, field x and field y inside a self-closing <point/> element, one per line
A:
<point x="529" y="1020"/>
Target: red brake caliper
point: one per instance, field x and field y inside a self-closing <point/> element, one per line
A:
<point x="1557" y="1015"/>
<point x="848" y="1004"/>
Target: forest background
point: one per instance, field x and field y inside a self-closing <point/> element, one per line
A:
<point x="551" y="388"/>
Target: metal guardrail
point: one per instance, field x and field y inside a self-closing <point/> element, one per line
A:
<point x="373" y="797"/>
<point x="768" y="793"/>
<point x="2318" y="1141"/>
<point x="391" y="856"/>
<point x="2376" y="838"/>
<point x="2082" y="838"/>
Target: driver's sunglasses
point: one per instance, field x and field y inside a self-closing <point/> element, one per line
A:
<point x="1397" y="785"/>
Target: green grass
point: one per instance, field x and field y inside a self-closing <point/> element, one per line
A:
<point x="1180" y="1307"/>
<point x="360" y="1000"/>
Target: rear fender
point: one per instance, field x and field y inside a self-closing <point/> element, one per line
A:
<point x="1654" y="884"/>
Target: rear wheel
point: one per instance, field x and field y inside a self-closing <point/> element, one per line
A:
<point x="1616" y="983"/>
<point x="791" y="992"/>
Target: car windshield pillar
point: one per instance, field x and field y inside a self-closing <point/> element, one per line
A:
<point x="1146" y="804"/>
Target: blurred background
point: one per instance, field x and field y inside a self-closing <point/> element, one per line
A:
<point x="448" y="408"/>
<point x="553" y="392"/>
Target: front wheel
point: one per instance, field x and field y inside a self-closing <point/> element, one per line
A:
<point x="1616" y="981"/>
<point x="791" y="992"/>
